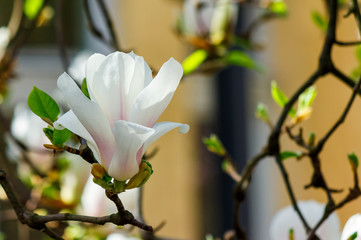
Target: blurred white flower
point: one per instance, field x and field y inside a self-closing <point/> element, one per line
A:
<point x="121" y="236"/>
<point x="353" y="225"/>
<point x="287" y="219"/>
<point x="95" y="203"/>
<point x="4" y="40"/>
<point x="209" y="18"/>
<point x="119" y="119"/>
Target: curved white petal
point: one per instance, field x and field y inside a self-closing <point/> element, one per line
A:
<point x="91" y="67"/>
<point x="111" y="83"/>
<point x="152" y="101"/>
<point x="72" y="123"/>
<point x="287" y="218"/>
<point x="352" y="225"/>
<point x="161" y="129"/>
<point x="129" y="139"/>
<point x="4" y="40"/>
<point x="91" y="117"/>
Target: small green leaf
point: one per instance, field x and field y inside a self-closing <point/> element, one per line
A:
<point x="306" y="98"/>
<point x="32" y="8"/>
<point x="353" y="160"/>
<point x="277" y="94"/>
<point x="288" y="154"/>
<point x="214" y="145"/>
<point x="278" y="7"/>
<point x="353" y="236"/>
<point x="319" y="20"/>
<point x="49" y="133"/>
<point x="238" y="58"/>
<point x="51" y="192"/>
<point x="43" y="105"/>
<point x="84" y="88"/>
<point x="280" y="98"/>
<point x="261" y="112"/>
<point x="60" y="136"/>
<point x="194" y="60"/>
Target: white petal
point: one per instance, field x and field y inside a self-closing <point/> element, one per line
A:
<point x="72" y="123"/>
<point x="161" y="129"/>
<point x="287" y="218"/>
<point x="91" y="67"/>
<point x="4" y="40"/>
<point x="111" y="83"/>
<point x="352" y="225"/>
<point x="129" y="139"/>
<point x="153" y="100"/>
<point x="91" y="116"/>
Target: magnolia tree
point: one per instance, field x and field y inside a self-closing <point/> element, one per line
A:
<point x="106" y="112"/>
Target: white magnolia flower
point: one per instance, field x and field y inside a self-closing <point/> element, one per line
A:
<point x="210" y="18"/>
<point x="353" y="225"/>
<point x="119" y="119"/>
<point x="4" y="40"/>
<point x="287" y="219"/>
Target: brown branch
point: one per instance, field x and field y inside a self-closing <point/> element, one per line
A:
<point x="38" y="222"/>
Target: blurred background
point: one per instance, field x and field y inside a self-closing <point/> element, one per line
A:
<point x="188" y="189"/>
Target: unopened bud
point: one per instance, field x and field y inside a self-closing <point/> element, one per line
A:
<point x="98" y="171"/>
<point x="311" y="139"/>
<point x="214" y="145"/>
<point x="145" y="170"/>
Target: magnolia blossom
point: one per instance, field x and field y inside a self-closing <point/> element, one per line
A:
<point x="353" y="225"/>
<point x="4" y="40"/>
<point x="119" y="119"/>
<point x="209" y="18"/>
<point x="287" y="219"/>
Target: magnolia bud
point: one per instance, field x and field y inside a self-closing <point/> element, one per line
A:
<point x="98" y="171"/>
<point x="145" y="170"/>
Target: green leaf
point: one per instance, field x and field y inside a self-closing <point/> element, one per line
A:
<point x="288" y="154"/>
<point x="261" y="112"/>
<point x="214" y="145"/>
<point x="278" y="7"/>
<point x="358" y="53"/>
<point x="238" y="58"/>
<point x="306" y="98"/>
<point x="43" y="105"/>
<point x="280" y="98"/>
<point x="60" y="136"/>
<point x="51" y="192"/>
<point x="194" y="60"/>
<point x="353" y="160"/>
<point x="277" y="94"/>
<point x="84" y="88"/>
<point x="32" y="8"/>
<point x="353" y="236"/>
<point x="49" y="133"/>
<point x="319" y="20"/>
